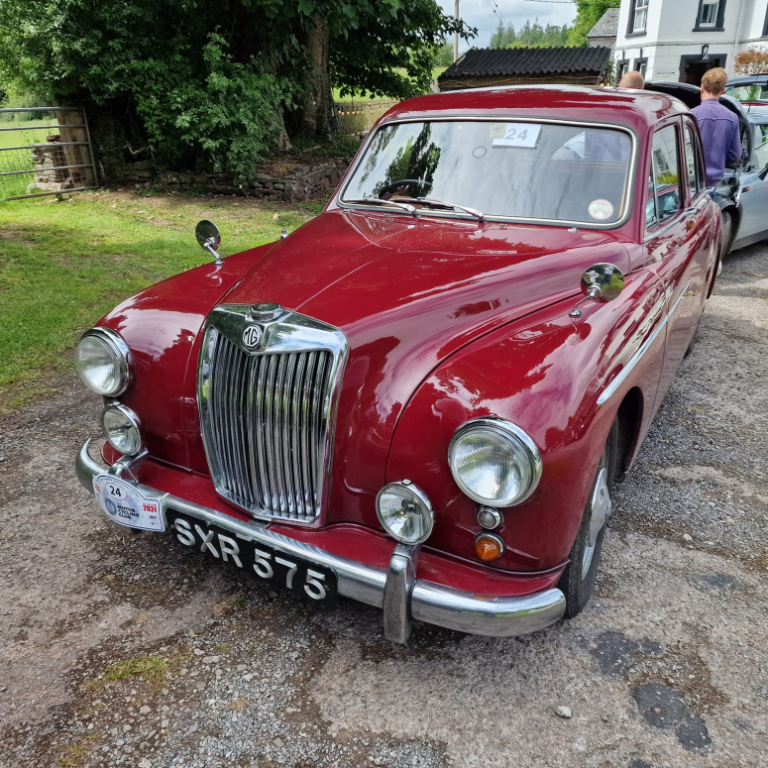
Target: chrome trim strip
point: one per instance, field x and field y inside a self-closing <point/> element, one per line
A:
<point x="491" y="615"/>
<point x="611" y="389"/>
<point x="626" y="195"/>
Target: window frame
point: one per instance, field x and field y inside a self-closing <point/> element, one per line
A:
<point x="717" y="25"/>
<point x="701" y="179"/>
<point x="641" y="65"/>
<point x="659" y="225"/>
<point x="632" y="30"/>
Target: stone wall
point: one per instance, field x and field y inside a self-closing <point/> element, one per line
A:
<point x="288" y="181"/>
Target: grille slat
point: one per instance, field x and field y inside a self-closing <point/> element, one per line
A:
<point x="265" y="425"/>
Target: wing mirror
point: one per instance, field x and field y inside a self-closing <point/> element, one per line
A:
<point x="209" y="238"/>
<point x="601" y="283"/>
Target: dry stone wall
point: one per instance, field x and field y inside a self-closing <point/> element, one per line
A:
<point x="288" y="182"/>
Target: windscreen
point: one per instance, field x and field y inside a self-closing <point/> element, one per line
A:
<point x="523" y="170"/>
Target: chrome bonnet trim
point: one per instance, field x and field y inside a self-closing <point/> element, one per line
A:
<point x="491" y="615"/>
<point x="619" y="379"/>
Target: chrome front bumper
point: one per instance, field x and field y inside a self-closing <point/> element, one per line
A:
<point x="397" y="591"/>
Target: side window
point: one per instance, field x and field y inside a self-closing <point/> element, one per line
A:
<point x="760" y="158"/>
<point x="691" y="162"/>
<point x="666" y="172"/>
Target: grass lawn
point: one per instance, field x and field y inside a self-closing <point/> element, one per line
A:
<point x="65" y="264"/>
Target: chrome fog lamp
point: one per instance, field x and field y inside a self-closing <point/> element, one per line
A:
<point x="494" y="462"/>
<point x="104" y="362"/>
<point x="121" y="428"/>
<point x="405" y="512"/>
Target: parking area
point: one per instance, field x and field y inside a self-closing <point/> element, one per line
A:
<point x="131" y="651"/>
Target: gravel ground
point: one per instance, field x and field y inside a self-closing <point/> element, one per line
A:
<point x="124" y="650"/>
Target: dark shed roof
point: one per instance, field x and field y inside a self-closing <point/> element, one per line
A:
<point x="514" y="62"/>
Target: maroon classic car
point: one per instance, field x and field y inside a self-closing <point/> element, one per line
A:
<point x="421" y="399"/>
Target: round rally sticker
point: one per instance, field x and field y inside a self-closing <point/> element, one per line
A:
<point x="601" y="209"/>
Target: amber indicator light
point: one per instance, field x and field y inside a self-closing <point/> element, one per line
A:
<point x="488" y="547"/>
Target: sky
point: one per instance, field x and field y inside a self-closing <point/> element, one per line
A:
<point x="485" y="14"/>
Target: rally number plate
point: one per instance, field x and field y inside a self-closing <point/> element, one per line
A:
<point x="303" y="577"/>
<point x="123" y="504"/>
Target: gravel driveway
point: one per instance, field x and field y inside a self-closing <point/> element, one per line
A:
<point x="126" y="650"/>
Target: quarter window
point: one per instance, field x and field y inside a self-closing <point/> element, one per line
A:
<point x="666" y="173"/>
<point x="691" y="162"/>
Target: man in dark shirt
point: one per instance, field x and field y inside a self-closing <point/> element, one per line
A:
<point x="719" y="126"/>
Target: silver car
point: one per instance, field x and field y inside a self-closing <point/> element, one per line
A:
<point x="743" y="193"/>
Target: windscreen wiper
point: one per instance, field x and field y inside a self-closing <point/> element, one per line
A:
<point x="380" y="201"/>
<point x="442" y="204"/>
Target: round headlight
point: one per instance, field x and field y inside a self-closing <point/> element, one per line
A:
<point x="121" y="428"/>
<point x="104" y="362"/>
<point x="494" y="462"/>
<point x="405" y="512"/>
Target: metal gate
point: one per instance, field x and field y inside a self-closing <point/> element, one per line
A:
<point x="44" y="151"/>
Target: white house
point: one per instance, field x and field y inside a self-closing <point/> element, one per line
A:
<point x="682" y="39"/>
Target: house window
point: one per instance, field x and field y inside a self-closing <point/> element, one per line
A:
<point x="711" y="15"/>
<point x="638" y="17"/>
<point x="641" y="66"/>
<point x="708" y="13"/>
<point x="765" y="25"/>
<point x="622" y="67"/>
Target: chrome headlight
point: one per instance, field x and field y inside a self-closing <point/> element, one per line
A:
<point x="104" y="362"/>
<point x="405" y="512"/>
<point x="494" y="462"/>
<point x="122" y="429"/>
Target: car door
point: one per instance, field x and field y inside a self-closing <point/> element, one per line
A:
<point x="753" y="191"/>
<point x="678" y="239"/>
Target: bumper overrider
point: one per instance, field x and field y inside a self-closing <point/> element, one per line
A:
<point x="396" y="590"/>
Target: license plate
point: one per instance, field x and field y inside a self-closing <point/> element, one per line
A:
<point x="301" y="576"/>
<point x="125" y="505"/>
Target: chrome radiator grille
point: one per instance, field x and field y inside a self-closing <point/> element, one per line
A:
<point x="267" y="414"/>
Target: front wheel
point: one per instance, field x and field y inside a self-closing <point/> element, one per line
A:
<point x="578" y="579"/>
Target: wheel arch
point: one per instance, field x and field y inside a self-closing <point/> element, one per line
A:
<point x="630" y="419"/>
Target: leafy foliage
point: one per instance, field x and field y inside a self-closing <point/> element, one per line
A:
<point x="588" y="13"/>
<point x="444" y="55"/>
<point x="530" y="36"/>
<point x="752" y="61"/>
<point x="208" y="83"/>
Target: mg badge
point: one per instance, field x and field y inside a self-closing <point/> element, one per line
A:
<point x="252" y="336"/>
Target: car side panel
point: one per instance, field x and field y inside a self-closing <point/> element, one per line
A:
<point x="545" y="375"/>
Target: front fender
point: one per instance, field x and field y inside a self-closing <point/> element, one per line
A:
<point x="544" y="374"/>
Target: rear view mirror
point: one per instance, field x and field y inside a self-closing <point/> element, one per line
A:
<point x="209" y="238"/>
<point x="602" y="283"/>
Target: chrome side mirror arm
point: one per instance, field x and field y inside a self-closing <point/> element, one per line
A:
<point x="601" y="282"/>
<point x="209" y="239"/>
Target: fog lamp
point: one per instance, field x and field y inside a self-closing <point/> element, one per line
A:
<point x="121" y="428"/>
<point x="489" y="546"/>
<point x="104" y="362"/>
<point x="405" y="512"/>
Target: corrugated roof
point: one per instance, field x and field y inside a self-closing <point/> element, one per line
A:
<point x="608" y="26"/>
<point x="490" y="62"/>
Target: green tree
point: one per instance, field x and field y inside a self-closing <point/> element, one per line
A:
<point x="216" y="83"/>
<point x="530" y="35"/>
<point x="588" y="13"/>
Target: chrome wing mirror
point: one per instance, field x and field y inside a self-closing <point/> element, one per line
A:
<point x="602" y="283"/>
<point x="209" y="237"/>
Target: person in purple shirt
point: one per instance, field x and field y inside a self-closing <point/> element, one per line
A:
<point x="718" y="125"/>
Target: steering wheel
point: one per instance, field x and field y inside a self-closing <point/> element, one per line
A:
<point x="393" y="185"/>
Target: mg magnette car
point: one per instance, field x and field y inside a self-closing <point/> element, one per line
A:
<point x="421" y="399"/>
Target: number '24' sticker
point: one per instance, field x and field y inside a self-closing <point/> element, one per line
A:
<point x="524" y="135"/>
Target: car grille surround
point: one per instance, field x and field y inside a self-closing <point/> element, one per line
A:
<point x="268" y="411"/>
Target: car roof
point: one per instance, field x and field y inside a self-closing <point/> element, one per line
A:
<point x="748" y="79"/>
<point x="633" y="108"/>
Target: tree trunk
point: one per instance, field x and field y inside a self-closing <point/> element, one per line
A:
<point x="316" y="110"/>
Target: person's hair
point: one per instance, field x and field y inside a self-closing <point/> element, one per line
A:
<point x="714" y="81"/>
<point x="632" y="80"/>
